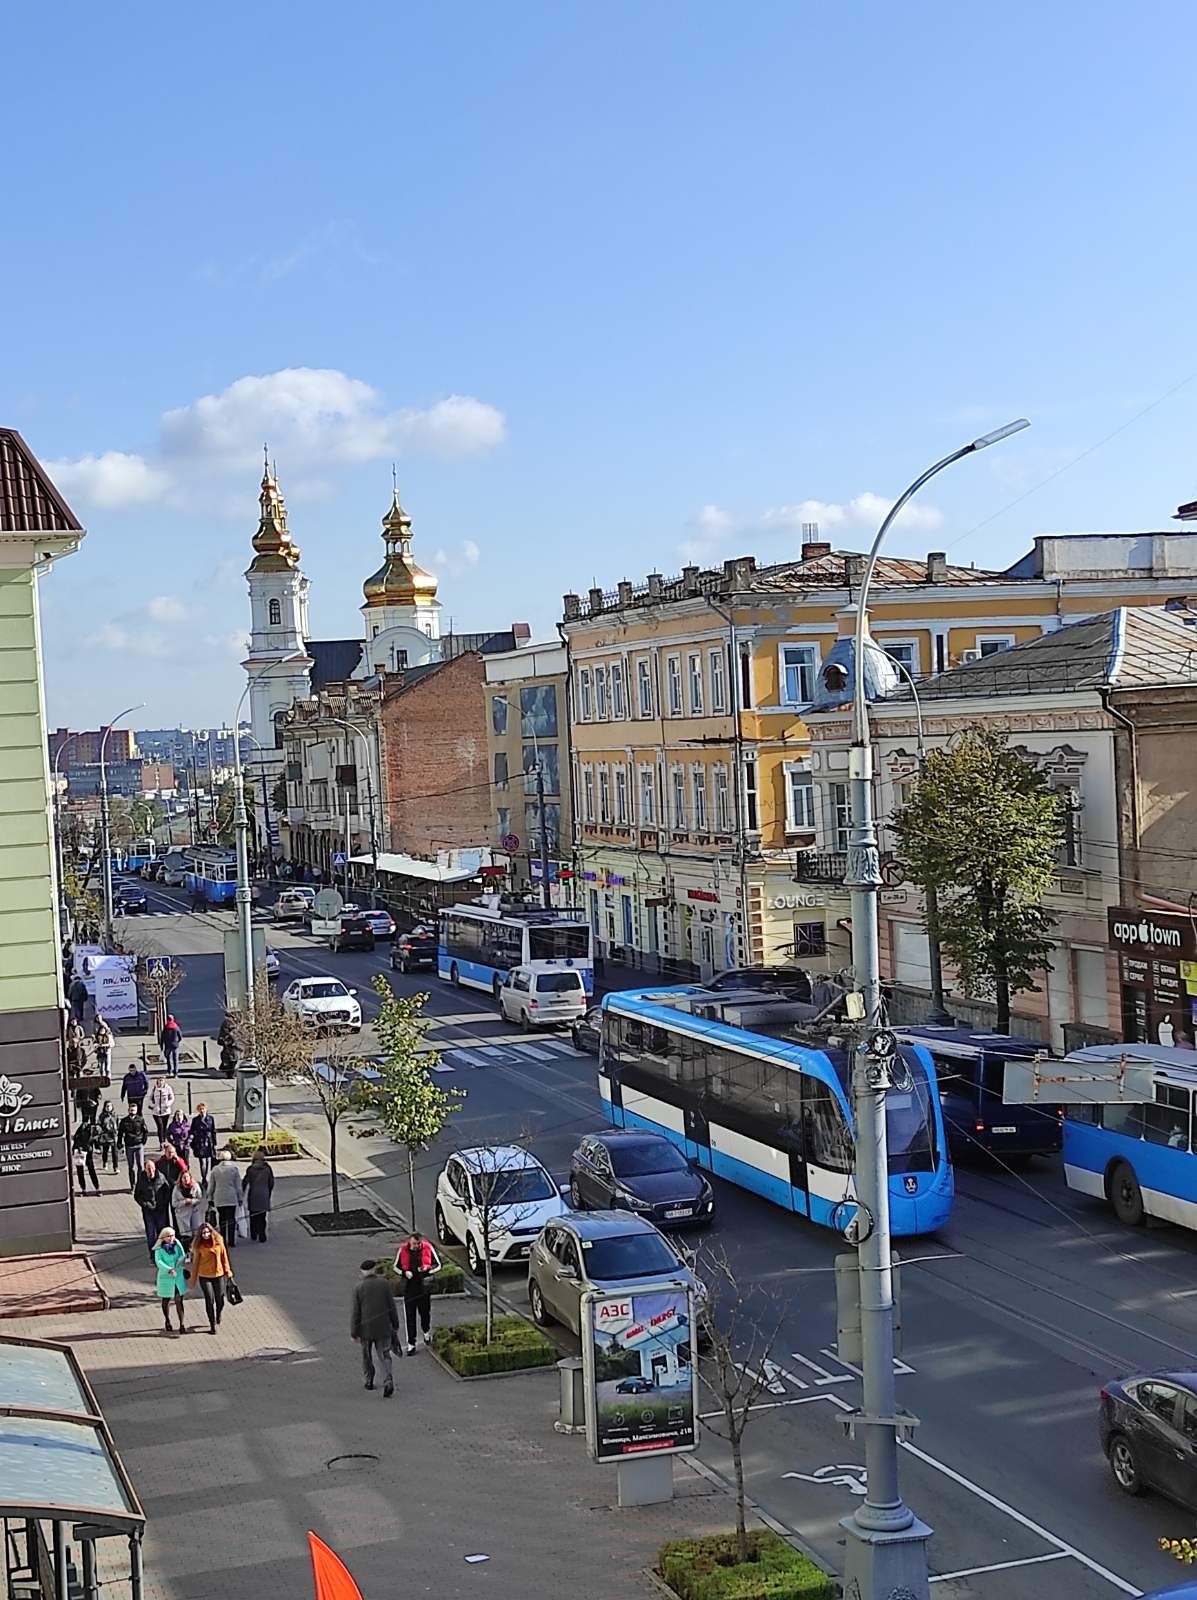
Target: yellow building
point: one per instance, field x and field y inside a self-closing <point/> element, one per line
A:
<point x="691" y="760"/>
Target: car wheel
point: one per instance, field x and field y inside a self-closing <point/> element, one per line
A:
<point x="1125" y="1195"/>
<point x="575" y="1196"/>
<point x="455" y="976"/>
<point x="525" y="1022"/>
<point x="474" y="1256"/>
<point x="442" y="1227"/>
<point x="540" y="1312"/>
<point x="1124" y="1465"/>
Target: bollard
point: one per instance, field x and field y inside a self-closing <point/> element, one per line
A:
<point x="189" y="1107"/>
<point x="143" y="1061"/>
<point x="573" y="1397"/>
<point x="205" y="1055"/>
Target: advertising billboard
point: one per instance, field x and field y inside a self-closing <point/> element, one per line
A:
<point x="638" y="1352"/>
<point x="115" y="988"/>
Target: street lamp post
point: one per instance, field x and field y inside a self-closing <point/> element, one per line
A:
<point x="358" y="733"/>
<point x="886" y="1547"/>
<point x="104" y="821"/>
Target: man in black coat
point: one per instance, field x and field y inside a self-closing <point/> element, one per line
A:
<point x="375" y="1324"/>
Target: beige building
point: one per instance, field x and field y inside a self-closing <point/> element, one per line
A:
<point x="527" y="720"/>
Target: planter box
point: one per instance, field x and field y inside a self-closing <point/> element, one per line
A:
<point x="278" y="1142"/>
<point x="706" y="1569"/>
<point x="517" y="1347"/>
<point x="449" y="1280"/>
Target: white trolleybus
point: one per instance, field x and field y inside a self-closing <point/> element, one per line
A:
<point x="735" y="1082"/>
<point x="479" y="945"/>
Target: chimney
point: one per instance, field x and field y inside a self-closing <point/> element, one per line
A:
<point x="572" y="606"/>
<point x="690" y="580"/>
<point x="625" y="593"/>
<point x="854" y="570"/>
<point x="596" y="602"/>
<point x="812" y="549"/>
<point x="937" y="566"/>
<point x="737" y="570"/>
<point x="655" y="580"/>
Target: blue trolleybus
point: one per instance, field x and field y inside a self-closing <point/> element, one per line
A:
<point x="970" y="1069"/>
<point x="211" y="872"/>
<point x="480" y="946"/>
<point x="737" y="1086"/>
<point x="1142" y="1159"/>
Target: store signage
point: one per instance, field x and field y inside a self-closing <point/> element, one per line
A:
<point x="116" y="988"/>
<point x="1155" y="956"/>
<point x="1142" y="931"/>
<point x="702" y="894"/>
<point x="640" y="1373"/>
<point x="793" y="902"/>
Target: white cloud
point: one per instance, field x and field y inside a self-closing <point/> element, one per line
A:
<point x="234" y="645"/>
<point x="470" y="552"/>
<point x="453" y="563"/>
<point x="111" y="480"/>
<point x="132" y="641"/>
<point x="717" y="529"/>
<point x="166" y="608"/>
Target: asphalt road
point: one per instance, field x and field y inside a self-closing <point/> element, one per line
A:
<point x="1013" y="1316"/>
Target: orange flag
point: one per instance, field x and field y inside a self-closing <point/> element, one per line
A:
<point x="331" y="1575"/>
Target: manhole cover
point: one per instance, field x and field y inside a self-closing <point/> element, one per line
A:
<point x="351" y="1463"/>
<point x="270" y="1354"/>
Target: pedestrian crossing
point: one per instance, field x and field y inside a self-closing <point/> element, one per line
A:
<point x="511" y="1053"/>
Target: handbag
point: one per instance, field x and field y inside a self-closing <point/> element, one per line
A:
<point x="242" y="1221"/>
<point x="232" y="1293"/>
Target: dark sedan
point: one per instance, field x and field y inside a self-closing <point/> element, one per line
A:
<point x="793" y="982"/>
<point x="132" y="897"/>
<point x="1149" y="1434"/>
<point x="356" y="933"/>
<point x="414" y="951"/>
<point x="640" y="1172"/>
<point x="586" y="1031"/>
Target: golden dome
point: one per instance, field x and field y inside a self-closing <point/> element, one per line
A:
<point x="275" y="551"/>
<point x="399" y="581"/>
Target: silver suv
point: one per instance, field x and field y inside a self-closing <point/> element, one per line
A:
<point x="598" y="1251"/>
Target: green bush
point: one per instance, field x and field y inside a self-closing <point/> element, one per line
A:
<point x="707" y="1569"/>
<point x="278" y="1142"/>
<point x="448" y="1279"/>
<point x="515" y="1346"/>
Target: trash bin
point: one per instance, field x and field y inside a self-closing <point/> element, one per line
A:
<point x="572" y="1418"/>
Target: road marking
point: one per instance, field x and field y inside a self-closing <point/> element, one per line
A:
<point x="900" y="1367"/>
<point x="823" y="1376"/>
<point x="536" y="1051"/>
<point x="773" y="1372"/>
<point x="466" y="1056"/>
<point x="1002" y="1566"/>
<point x="1061" y="1545"/>
<point x="845" y="1475"/>
<point x="773" y="1405"/>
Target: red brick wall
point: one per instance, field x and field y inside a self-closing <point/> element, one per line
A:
<point x="435" y="777"/>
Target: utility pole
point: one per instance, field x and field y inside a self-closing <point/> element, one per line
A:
<point x="104" y="821"/>
<point x="546" y="890"/>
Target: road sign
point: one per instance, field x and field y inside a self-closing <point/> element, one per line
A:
<point x="157" y="966"/>
<point x="328" y="903"/>
<point x="338" y="859"/>
<point x="510" y="841"/>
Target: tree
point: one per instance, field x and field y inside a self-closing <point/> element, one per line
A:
<point x="983" y="829"/>
<point x="735" y="1370"/>
<point x="83" y="903"/>
<point x="411" y="1109"/>
<point x="157" y="986"/>
<point x="497" y="1207"/>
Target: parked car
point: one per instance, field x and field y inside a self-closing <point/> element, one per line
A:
<point x="292" y="905"/>
<point x="793" y="982"/>
<point x="498" y="1194"/>
<point x="324" y="1002"/>
<point x="271" y="964"/>
<point x="355" y="932"/>
<point x="642" y="1172"/>
<point x="539" y="996"/>
<point x="414" y="951"/>
<point x="598" y="1250"/>
<point x="586" y="1032"/>
<point x="1148" y="1429"/>
<point x="154" y="869"/>
<point x="382" y="922"/>
<point x="131" y="897"/>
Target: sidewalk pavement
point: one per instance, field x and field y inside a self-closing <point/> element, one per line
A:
<point x="239" y="1444"/>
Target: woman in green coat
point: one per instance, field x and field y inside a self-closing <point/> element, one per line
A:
<point x="169" y="1260"/>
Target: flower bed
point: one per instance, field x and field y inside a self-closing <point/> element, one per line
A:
<point x="449" y="1279"/>
<point x="707" y="1569"/>
<point x="515" y="1346"/>
<point x="278" y="1142"/>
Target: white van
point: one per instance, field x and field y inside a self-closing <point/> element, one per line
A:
<point x="542" y="995"/>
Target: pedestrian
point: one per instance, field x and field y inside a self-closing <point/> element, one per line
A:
<point x="83" y="1144"/>
<point x="188" y="1206"/>
<point x="78" y="996"/>
<point x="374" y="1324"/>
<point x="210" y="1268"/>
<point x="203" y="1139"/>
<point x="76" y="1049"/>
<point x="132" y="1133"/>
<point x="170" y="1166"/>
<point x="87" y="1100"/>
<point x="224" y="1192"/>
<point x="416" y="1262"/>
<point x="170" y="1039"/>
<point x="101" y="1038"/>
<point x="107" y="1141"/>
<point x="152" y="1193"/>
<point x="135" y="1085"/>
<point x="161" y="1104"/>
<point x="178" y="1132"/>
<point x="256" y="1189"/>
<point x="169" y="1257"/>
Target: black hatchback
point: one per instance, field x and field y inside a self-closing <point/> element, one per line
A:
<point x="356" y="932"/>
<point x="640" y="1172"/>
<point x="1149" y="1434"/>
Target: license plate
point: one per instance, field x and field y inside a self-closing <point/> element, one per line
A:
<point x="680" y="1211"/>
<point x="1003" y="1130"/>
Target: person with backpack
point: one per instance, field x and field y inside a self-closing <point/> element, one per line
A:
<point x="416" y="1262"/>
<point x="161" y="1105"/>
<point x="135" y="1085"/>
<point x="132" y="1133"/>
<point x="107" y="1141"/>
<point x="170" y="1039"/>
<point x="203" y="1139"/>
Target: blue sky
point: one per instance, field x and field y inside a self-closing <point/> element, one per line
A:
<point x="615" y="284"/>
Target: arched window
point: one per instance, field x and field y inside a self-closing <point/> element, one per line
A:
<point x="276" y="614"/>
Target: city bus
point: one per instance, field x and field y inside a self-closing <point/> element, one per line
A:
<point x="1141" y="1159"/>
<point x="970" y="1069"/>
<point x="744" y="1092"/>
<point x="479" y="945"/>
<point x="211" y="872"/>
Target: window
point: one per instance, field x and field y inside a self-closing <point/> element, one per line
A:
<point x="1160" y="1399"/>
<point x="552" y="823"/>
<point x="718" y="680"/>
<point x="619" y="708"/>
<point x="545" y="756"/>
<point x="677" y="780"/>
<point x="585" y="705"/>
<point x="648" y="797"/>
<point x="722" y="801"/>
<point x="673" y="673"/>
<point x="621" y="796"/>
<point x="799" y="668"/>
<point x="841" y="815"/>
<point x="824" y="1128"/>
<point x="800" y="798"/>
<point x="588" y="793"/>
<point x="1069" y="853"/>
<point x="745" y="677"/>
<point x="276" y="614"/>
<point x="1167" y="1121"/>
<point x="644" y="688"/>
<point x="905" y="651"/>
<point x="752" y="819"/>
<point x="989" y="644"/>
<point x="810" y="939"/>
<point x="600" y="693"/>
<point x="538" y="711"/>
<point x="498" y="714"/>
<point x="503" y="818"/>
<point x="695" y="675"/>
<point x="318" y="794"/>
<point x="501" y="773"/>
<point x="698" y="782"/>
<point x="604" y="794"/>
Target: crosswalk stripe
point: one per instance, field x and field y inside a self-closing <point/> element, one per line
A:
<point x="536" y="1051"/>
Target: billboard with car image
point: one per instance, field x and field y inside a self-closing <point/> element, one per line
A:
<point x="639" y="1357"/>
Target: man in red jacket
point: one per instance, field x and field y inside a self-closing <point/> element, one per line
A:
<point x="417" y="1261"/>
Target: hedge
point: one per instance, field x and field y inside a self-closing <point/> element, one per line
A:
<point x="516" y="1345"/>
<point x="278" y="1142"/>
<point x="707" y="1569"/>
<point x="448" y="1279"/>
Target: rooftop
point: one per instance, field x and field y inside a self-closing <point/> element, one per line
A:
<point x="29" y="502"/>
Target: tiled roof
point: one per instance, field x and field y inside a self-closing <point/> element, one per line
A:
<point x="487" y="644"/>
<point x="29" y="502"/>
<point x="831" y="572"/>
<point x="333" y="660"/>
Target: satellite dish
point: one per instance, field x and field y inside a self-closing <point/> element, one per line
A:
<point x="328" y="904"/>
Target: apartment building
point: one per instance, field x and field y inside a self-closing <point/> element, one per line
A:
<point x="527" y="721"/>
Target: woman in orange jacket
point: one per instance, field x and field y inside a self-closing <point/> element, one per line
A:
<point x="210" y="1269"/>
